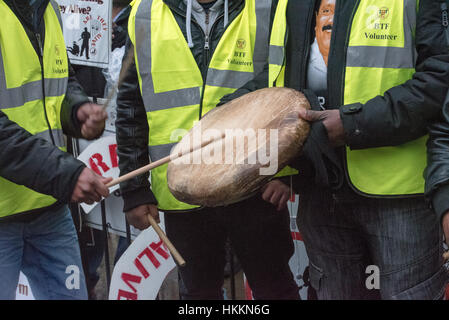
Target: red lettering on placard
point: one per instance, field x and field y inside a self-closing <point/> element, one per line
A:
<point x="147" y="252"/>
<point x="141" y="268"/>
<point x="158" y="248"/>
<point x="113" y="155"/>
<point x="128" y="278"/>
<point x="97" y="160"/>
<point x="126" y="295"/>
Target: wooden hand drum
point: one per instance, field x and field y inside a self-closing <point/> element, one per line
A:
<point x="262" y="134"/>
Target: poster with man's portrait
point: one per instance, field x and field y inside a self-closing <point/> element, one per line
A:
<point x="87" y="28"/>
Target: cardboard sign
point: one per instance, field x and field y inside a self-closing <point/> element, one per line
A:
<point x="87" y="26"/>
<point x="101" y="157"/>
<point x="139" y="273"/>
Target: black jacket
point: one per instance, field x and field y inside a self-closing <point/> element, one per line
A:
<point x="437" y="171"/>
<point x="404" y="112"/>
<point x="132" y="126"/>
<point x="44" y="168"/>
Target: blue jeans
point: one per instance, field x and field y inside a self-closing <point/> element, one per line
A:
<point x="345" y="233"/>
<point x="46" y="250"/>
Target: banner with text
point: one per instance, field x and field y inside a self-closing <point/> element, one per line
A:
<point x="87" y="28"/>
<point x="141" y="270"/>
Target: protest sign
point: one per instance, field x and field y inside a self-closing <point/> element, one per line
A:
<point x="141" y="270"/>
<point x="87" y="26"/>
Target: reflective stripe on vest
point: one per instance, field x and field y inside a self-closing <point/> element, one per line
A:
<point x="22" y="92"/>
<point x="172" y="88"/>
<point x="382" y="51"/>
<point x="276" y="59"/>
<point x="278" y="40"/>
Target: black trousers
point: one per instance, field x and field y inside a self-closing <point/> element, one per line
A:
<point x="260" y="237"/>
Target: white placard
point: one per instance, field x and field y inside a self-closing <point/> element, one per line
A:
<point x="101" y="157"/>
<point x="140" y="271"/>
<point x="87" y="28"/>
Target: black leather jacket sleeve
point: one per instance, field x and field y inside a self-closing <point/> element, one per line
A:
<point x="437" y="171"/>
<point x="132" y="139"/>
<point x="33" y="162"/>
<point x="404" y="112"/>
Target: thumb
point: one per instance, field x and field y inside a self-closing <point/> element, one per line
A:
<point x="310" y="115"/>
<point x="106" y="180"/>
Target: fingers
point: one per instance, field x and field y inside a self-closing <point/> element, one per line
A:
<point x="283" y="202"/>
<point x="137" y="217"/>
<point x="106" y="180"/>
<point x="446" y="256"/>
<point x="100" y="186"/>
<point x="154" y="212"/>
<point x="311" y="115"/>
<point x="276" y="193"/>
<point x="92" y="118"/>
<point x="83" y="112"/>
<point x="275" y="197"/>
<point x="90" y="187"/>
<point x="267" y="193"/>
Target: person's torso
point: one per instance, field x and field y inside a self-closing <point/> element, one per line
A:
<point x="355" y="50"/>
<point x="32" y="87"/>
<point x="185" y="83"/>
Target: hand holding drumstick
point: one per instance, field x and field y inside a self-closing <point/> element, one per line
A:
<point x="145" y="215"/>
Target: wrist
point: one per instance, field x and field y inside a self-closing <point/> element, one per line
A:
<point x="440" y="201"/>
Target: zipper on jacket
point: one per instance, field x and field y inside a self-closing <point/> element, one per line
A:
<point x="207" y="57"/>
<point x="41" y="60"/>
<point x="206" y="42"/>
<point x="445" y="20"/>
<point x="206" y="49"/>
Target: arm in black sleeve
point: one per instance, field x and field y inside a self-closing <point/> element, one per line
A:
<point x="437" y="171"/>
<point x="132" y="139"/>
<point x="404" y="112"/>
<point x="74" y="98"/>
<point x="33" y="162"/>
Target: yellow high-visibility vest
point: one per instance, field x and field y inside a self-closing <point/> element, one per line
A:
<point x="31" y="94"/>
<point x="173" y="91"/>
<point x="381" y="54"/>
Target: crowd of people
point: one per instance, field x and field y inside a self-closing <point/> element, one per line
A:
<point x="372" y="178"/>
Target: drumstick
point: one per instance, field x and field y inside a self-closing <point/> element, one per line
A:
<point x="181" y="262"/>
<point x="159" y="163"/>
<point x="149" y="167"/>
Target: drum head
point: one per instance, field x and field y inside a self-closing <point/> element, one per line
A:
<point x="263" y="133"/>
